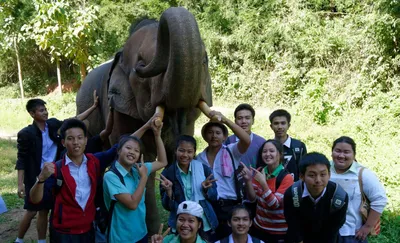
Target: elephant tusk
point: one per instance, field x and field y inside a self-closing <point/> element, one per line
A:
<point x="206" y="110"/>
<point x="160" y="115"/>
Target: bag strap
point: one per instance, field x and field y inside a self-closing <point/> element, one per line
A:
<point x="114" y="170"/>
<point x="360" y="183"/>
<point x="279" y="178"/>
<point x="237" y="184"/>
<point x="338" y="199"/>
<point x="59" y="177"/>
<point x="297" y="193"/>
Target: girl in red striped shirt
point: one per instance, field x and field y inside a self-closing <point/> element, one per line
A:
<point x="266" y="185"/>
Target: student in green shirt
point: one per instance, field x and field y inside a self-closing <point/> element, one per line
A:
<point x="189" y="225"/>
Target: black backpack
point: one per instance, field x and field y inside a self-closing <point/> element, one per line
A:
<point x="337" y="201"/>
<point x="103" y="216"/>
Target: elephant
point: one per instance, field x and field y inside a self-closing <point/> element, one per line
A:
<point x="162" y="63"/>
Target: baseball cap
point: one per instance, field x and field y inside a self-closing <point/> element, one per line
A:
<point x="190" y="207"/>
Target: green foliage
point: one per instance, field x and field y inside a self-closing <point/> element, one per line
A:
<point x="64" y="29"/>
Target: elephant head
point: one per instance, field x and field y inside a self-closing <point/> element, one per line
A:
<point x="162" y="63"/>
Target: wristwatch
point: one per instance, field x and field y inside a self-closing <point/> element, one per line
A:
<point x="38" y="181"/>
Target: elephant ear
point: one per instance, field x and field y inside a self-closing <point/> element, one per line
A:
<point x="120" y="95"/>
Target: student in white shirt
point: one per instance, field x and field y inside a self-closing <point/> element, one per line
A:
<point x="345" y="171"/>
<point x="240" y="222"/>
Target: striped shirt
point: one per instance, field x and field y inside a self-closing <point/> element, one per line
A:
<point x="269" y="212"/>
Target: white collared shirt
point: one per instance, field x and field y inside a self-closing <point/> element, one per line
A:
<point x="225" y="184"/>
<point x="49" y="148"/>
<point x="372" y="187"/>
<point x="82" y="180"/>
<point x="288" y="142"/>
<point x="306" y="193"/>
<point x="249" y="239"/>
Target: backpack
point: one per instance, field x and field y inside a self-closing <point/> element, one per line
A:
<point x="103" y="216"/>
<point x="337" y="201"/>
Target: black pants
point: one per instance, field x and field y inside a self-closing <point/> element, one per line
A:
<point x="57" y="237"/>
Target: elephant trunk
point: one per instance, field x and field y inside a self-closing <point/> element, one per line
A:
<point x="179" y="55"/>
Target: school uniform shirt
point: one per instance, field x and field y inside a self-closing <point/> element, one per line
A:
<point x="49" y="147"/>
<point x="188" y="191"/>
<point x="82" y="180"/>
<point x="373" y="189"/>
<point x="225" y="184"/>
<point x="126" y="225"/>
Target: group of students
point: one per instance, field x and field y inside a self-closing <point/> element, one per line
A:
<point x="240" y="188"/>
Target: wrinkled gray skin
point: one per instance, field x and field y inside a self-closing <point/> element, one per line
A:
<point x="161" y="63"/>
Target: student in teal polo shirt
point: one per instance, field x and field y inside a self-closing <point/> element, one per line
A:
<point x="189" y="225"/>
<point x="128" y="218"/>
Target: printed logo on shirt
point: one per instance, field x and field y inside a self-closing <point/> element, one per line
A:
<point x="287" y="157"/>
<point x="296" y="149"/>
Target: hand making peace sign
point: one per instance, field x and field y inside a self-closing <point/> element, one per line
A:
<point x="165" y="184"/>
<point x="208" y="182"/>
<point x="142" y="169"/>
<point x="158" y="238"/>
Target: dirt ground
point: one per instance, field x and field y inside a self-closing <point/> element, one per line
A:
<point x="9" y="227"/>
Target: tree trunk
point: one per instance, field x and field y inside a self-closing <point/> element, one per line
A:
<point x="59" y="75"/>
<point x="21" y="86"/>
<point x="83" y="71"/>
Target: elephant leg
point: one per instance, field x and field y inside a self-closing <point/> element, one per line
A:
<point x="152" y="214"/>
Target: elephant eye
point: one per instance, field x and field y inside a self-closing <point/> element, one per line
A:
<point x="205" y="60"/>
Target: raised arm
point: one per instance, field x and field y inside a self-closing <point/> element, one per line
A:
<point x="244" y="138"/>
<point x="105" y="133"/>
<point x="161" y="161"/>
<point x="86" y="113"/>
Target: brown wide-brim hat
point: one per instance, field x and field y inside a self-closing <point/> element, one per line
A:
<point x="213" y="124"/>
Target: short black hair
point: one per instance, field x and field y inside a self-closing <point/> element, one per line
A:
<point x="186" y="138"/>
<point x="125" y="138"/>
<point x="345" y="139"/>
<point x="237" y="208"/>
<point x="213" y="124"/>
<point x="32" y="104"/>
<point x="313" y="158"/>
<point x="245" y="106"/>
<point x="279" y="147"/>
<point x="72" y="123"/>
<point x="280" y="112"/>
